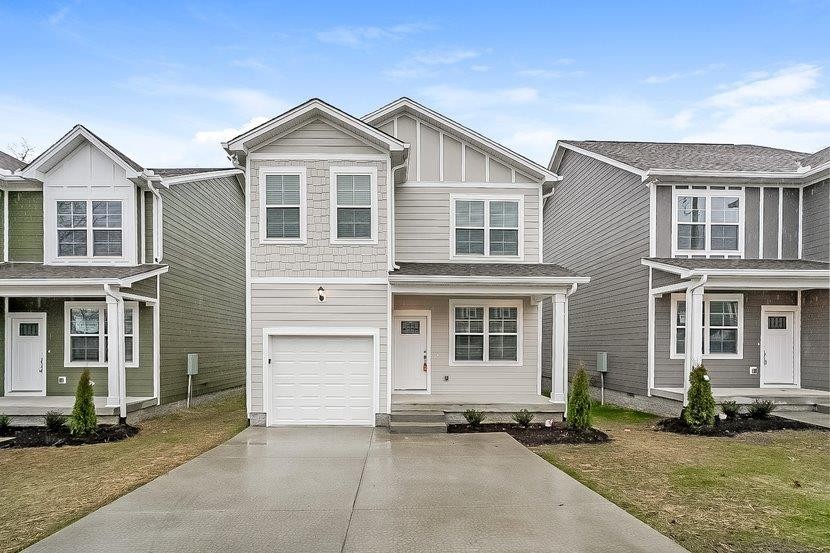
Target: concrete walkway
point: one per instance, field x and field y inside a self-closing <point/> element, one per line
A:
<point x="810" y="417"/>
<point x="359" y="489"/>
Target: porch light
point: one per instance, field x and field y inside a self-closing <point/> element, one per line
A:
<point x="321" y="294"/>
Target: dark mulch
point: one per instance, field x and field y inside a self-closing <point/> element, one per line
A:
<point x="733" y="427"/>
<point x="40" y="436"/>
<point x="536" y="434"/>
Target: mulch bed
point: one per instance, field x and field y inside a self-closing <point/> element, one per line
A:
<point x="733" y="427"/>
<point x="40" y="436"/>
<point x="536" y="434"/>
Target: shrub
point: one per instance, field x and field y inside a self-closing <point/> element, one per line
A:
<point x="55" y="421"/>
<point x="579" y="402"/>
<point x="474" y="416"/>
<point x="731" y="409"/>
<point x="760" y="409"/>
<point x="5" y="424"/>
<point x="83" y="419"/>
<point x="523" y="417"/>
<point x="701" y="408"/>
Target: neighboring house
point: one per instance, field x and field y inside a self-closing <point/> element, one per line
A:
<point x="393" y="261"/>
<point x="94" y="247"/>
<point x="697" y="252"/>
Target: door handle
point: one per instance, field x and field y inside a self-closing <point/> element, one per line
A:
<point x="426" y="368"/>
<point x="41" y="365"/>
<point x="765" y="357"/>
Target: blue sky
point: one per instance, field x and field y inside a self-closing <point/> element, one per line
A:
<point x="166" y="81"/>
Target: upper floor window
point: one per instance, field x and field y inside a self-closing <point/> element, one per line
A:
<point x="284" y="201"/>
<point x="486" y="227"/>
<point x="76" y="231"/>
<point x="354" y="205"/>
<point x="708" y="222"/>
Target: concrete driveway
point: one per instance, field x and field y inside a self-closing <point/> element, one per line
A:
<point x="359" y="489"/>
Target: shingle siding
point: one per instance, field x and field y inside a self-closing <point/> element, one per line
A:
<point x="816" y="237"/>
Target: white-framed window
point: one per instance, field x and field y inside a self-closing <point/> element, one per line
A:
<point x="486" y="226"/>
<point x="282" y="201"/>
<point x="485" y="332"/>
<point x="707" y="222"/>
<point x="86" y="336"/>
<point x="354" y="210"/>
<point x="76" y="230"/>
<point x="723" y="322"/>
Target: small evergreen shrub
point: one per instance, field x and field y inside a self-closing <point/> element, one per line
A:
<point x="474" y="416"/>
<point x="523" y="417"/>
<point x="5" y="424"/>
<point x="83" y="419"/>
<point x="55" y="421"/>
<point x="579" y="402"/>
<point x="701" y="408"/>
<point x="760" y="409"/>
<point x="731" y="409"/>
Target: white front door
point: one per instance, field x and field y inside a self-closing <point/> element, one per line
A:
<point x="411" y="353"/>
<point x="778" y="351"/>
<point x="26" y="365"/>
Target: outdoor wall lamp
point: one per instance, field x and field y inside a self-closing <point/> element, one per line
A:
<point x="321" y="294"/>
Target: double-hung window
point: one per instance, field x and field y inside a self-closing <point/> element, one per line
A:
<point x="87" y="337"/>
<point x="486" y="332"/>
<point x="722" y="326"/>
<point x="486" y="227"/>
<point x="354" y="205"/>
<point x="72" y="228"/>
<point x="106" y="229"/>
<point x="708" y="222"/>
<point x="284" y="205"/>
<point x="77" y="230"/>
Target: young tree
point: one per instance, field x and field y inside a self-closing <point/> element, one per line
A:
<point x="700" y="410"/>
<point x="579" y="402"/>
<point x="22" y="150"/>
<point x="83" y="419"/>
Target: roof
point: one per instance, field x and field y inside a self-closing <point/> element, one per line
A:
<point x="10" y="162"/>
<point x="704" y="264"/>
<point x="116" y="152"/>
<point x="816" y="159"/>
<point x="180" y="172"/>
<point x="694" y="156"/>
<point x="37" y="271"/>
<point x="507" y="270"/>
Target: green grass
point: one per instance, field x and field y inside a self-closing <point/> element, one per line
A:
<point x="756" y="492"/>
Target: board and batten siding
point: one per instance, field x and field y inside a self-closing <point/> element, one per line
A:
<point x="297" y="305"/>
<point x="597" y="224"/>
<point x="423" y="226"/>
<point x="202" y="300"/>
<point x="26" y="226"/>
<point x="815" y="339"/>
<point x="816" y="238"/>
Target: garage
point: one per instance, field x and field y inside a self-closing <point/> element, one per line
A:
<point x="322" y="379"/>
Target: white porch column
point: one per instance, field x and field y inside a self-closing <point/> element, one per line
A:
<point x="694" y="334"/>
<point x="116" y="381"/>
<point x="559" y="366"/>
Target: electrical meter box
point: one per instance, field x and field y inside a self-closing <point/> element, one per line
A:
<point x="602" y="361"/>
<point x="192" y="363"/>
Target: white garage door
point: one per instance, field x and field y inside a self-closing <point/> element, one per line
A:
<point x="322" y="380"/>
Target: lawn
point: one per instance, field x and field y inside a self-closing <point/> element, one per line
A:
<point x="44" y="489"/>
<point x="756" y="492"/>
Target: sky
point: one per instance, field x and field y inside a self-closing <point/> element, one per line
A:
<point x="165" y="82"/>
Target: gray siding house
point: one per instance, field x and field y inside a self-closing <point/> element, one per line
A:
<point x="394" y="262"/>
<point x="697" y="252"/>
<point x="121" y="270"/>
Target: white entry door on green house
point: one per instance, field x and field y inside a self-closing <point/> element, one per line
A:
<point x="778" y="346"/>
<point x="25" y="365"/>
<point x="411" y="372"/>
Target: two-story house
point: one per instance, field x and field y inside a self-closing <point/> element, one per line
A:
<point x="119" y="269"/>
<point x="713" y="253"/>
<point x="394" y="262"/>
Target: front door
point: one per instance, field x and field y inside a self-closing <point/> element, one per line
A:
<point x="411" y="371"/>
<point x="25" y="368"/>
<point x="778" y="352"/>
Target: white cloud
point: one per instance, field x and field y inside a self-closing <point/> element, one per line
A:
<point x="660" y="79"/>
<point x="255" y="64"/>
<point x="539" y="73"/>
<point x="424" y="62"/>
<point x="788" y="82"/>
<point x="480" y="68"/>
<point x="362" y="37"/>
<point x="533" y="142"/>
<point x="467" y="99"/>
<point x="221" y="135"/>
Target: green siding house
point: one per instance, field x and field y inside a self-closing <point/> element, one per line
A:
<point x="95" y="246"/>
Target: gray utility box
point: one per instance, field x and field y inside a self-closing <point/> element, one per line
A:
<point x="602" y="361"/>
<point x="192" y="363"/>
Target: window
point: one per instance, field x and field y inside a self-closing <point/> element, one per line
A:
<point x="486" y="227"/>
<point x="722" y="326"/>
<point x="106" y="229"/>
<point x="354" y="217"/>
<point x="28" y="329"/>
<point x="75" y="232"/>
<point x="485" y="333"/>
<point x="283" y="200"/>
<point x="708" y="222"/>
<point x="410" y="327"/>
<point x="72" y="229"/>
<point x="87" y="334"/>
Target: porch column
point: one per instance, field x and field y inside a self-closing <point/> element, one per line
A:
<point x="116" y="382"/>
<point x="694" y="334"/>
<point x="559" y="366"/>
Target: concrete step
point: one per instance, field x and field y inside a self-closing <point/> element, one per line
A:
<point x="418" y="427"/>
<point x="417" y="416"/>
<point x="794" y="407"/>
<point x="823" y="408"/>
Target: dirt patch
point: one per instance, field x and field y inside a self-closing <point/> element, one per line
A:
<point x="39" y="436"/>
<point x="733" y="427"/>
<point x="536" y="434"/>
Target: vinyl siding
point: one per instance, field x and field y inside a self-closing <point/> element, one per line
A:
<point x="318" y="136"/>
<point x="597" y="224"/>
<point x="202" y="303"/>
<point x="770" y="222"/>
<point x="816" y="238"/>
<point x="494" y="381"/>
<point x="25" y="226"/>
<point x="815" y="339"/>
<point x="348" y="305"/>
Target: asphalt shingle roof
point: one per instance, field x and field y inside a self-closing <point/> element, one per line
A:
<point x="10" y="162"/>
<point x="743" y="264"/>
<point x="46" y="272"/>
<point x="483" y="269"/>
<point x="178" y="172"/>
<point x="816" y="159"/>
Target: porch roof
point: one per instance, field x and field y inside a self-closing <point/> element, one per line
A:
<point x="39" y="274"/>
<point x="527" y="272"/>
<point x="795" y="274"/>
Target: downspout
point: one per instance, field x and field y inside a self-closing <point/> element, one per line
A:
<point x="392" y="215"/>
<point x="157" y="223"/>
<point x="122" y="376"/>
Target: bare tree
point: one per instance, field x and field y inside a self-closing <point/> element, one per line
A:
<point x="22" y="150"/>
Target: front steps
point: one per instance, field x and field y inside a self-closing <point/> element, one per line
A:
<point x="417" y="422"/>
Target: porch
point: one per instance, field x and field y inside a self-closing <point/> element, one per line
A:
<point x="786" y="399"/>
<point x="30" y="410"/>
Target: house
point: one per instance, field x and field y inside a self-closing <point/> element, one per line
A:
<point x="394" y="270"/>
<point x="697" y="252"/>
<point x="95" y="247"/>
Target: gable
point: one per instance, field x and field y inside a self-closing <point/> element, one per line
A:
<point x="318" y="136"/>
<point x="86" y="165"/>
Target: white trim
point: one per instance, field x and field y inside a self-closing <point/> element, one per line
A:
<point x="10" y="316"/>
<point x="541" y="224"/>
<point x="402" y="314"/>
<point x="738" y="273"/>
<point x="539" y="309"/>
<point x="196" y="177"/>
<point x="101" y="306"/>
<point x="373" y="180"/>
<point x="268" y="332"/>
<point x="486" y="304"/>
<point x="390" y="216"/>
<point x="315" y="157"/>
<point x="495" y="280"/>
<point x="248" y="335"/>
<point x="707" y="299"/>
<point x="796" y="311"/>
<point x="652" y="223"/>
<point x="485" y="291"/>
<point x="708" y="194"/>
<point x="471" y="184"/>
<point x="800" y="220"/>
<point x="418" y="149"/>
<point x="5" y="225"/>
<point x="52" y="282"/>
<point x="157" y="344"/>
<point x="780" y="220"/>
<point x="651" y="331"/>
<point x="487" y="199"/>
<point x="440" y="155"/>
<point x="319" y="280"/>
<point x="390" y="348"/>
<point x="143" y="225"/>
<point x="262" y="174"/>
